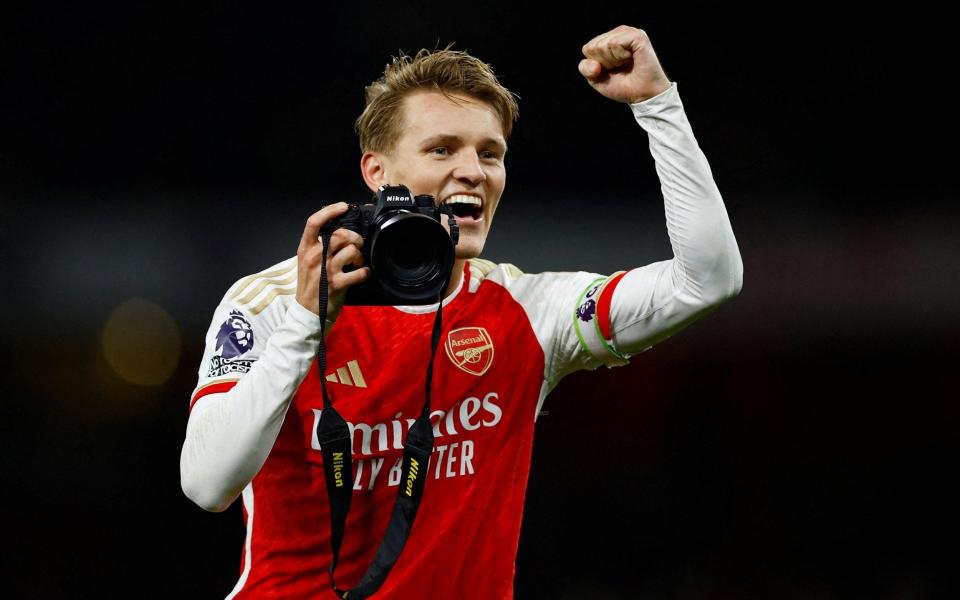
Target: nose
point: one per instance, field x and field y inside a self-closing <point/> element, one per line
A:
<point x="469" y="169"/>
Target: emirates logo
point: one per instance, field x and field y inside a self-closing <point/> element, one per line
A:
<point x="470" y="349"/>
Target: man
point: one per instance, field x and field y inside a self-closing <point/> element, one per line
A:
<point x="438" y="124"/>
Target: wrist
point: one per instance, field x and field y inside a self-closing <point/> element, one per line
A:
<point x="653" y="92"/>
<point x="333" y="312"/>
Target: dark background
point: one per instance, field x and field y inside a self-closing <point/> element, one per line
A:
<point x="799" y="442"/>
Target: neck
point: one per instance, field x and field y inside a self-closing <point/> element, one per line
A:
<point x="455" y="277"/>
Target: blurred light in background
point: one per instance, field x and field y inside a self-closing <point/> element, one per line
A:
<point x="141" y="342"/>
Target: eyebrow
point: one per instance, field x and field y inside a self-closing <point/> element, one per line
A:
<point x="446" y="138"/>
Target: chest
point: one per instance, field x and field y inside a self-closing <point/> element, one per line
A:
<point x="487" y="373"/>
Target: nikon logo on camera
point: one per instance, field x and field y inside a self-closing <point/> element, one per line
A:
<point x="396" y="198"/>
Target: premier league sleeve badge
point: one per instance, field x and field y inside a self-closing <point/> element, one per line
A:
<point x="234" y="339"/>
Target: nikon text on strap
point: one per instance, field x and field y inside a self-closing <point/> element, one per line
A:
<point x="333" y="433"/>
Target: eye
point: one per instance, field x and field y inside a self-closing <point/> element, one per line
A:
<point x="442" y="149"/>
<point x="490" y="154"/>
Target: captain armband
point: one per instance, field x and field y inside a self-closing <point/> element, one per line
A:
<point x="591" y="318"/>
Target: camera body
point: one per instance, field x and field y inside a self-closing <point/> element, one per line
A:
<point x="409" y="253"/>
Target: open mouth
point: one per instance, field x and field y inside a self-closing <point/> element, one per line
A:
<point x="465" y="207"/>
<point x="466" y="210"/>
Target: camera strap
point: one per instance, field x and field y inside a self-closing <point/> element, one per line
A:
<point x="333" y="434"/>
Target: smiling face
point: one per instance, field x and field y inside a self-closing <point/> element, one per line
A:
<point x="447" y="149"/>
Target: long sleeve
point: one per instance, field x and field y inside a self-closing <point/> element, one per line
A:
<point x="653" y="302"/>
<point x="241" y="401"/>
<point x="626" y="313"/>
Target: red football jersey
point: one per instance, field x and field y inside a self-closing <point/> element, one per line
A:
<point x="507" y="339"/>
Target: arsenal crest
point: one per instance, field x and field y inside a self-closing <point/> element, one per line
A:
<point x="471" y="349"/>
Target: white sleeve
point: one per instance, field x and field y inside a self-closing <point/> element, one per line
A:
<point x="242" y="396"/>
<point x="649" y="304"/>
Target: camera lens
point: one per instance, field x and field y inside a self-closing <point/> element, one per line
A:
<point x="411" y="255"/>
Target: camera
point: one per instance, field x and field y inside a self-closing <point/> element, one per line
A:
<point x="409" y="253"/>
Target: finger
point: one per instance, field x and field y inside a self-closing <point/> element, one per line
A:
<point x="349" y="255"/>
<point x="594" y="49"/>
<point x="594" y="42"/>
<point x="342" y="237"/>
<point x="344" y="280"/>
<point x="611" y="53"/>
<point x="317" y="220"/>
<point x="625" y="43"/>
<point x="613" y="48"/>
<point x="590" y="68"/>
<point x="619" y="50"/>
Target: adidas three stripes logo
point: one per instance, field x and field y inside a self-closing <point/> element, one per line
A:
<point x="348" y="375"/>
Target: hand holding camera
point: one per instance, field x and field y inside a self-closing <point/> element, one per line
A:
<point x="345" y="249"/>
<point x="410" y="256"/>
<point x="409" y="253"/>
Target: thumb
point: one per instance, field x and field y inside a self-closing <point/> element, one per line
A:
<point x="589" y="68"/>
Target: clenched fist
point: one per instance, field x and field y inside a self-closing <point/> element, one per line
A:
<point x="621" y="65"/>
<point x="344" y="250"/>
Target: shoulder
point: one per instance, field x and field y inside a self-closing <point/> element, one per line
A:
<point x="487" y="270"/>
<point x="535" y="285"/>
<point x="266" y="291"/>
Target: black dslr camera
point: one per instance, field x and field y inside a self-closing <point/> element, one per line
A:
<point x="409" y="253"/>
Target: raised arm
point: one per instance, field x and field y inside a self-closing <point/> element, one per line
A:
<point x="648" y="304"/>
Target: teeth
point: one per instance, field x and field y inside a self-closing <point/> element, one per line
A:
<point x="463" y="199"/>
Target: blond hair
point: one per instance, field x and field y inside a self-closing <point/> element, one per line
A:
<point x="445" y="71"/>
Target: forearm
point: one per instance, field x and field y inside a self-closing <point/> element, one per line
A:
<point x="653" y="302"/>
<point x="230" y="435"/>
<point x="707" y="261"/>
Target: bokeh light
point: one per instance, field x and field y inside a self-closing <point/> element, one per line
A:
<point x="141" y="342"/>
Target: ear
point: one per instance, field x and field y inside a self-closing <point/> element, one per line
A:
<point x="374" y="169"/>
